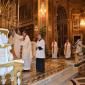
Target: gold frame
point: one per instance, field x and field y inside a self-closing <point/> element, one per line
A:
<point x="76" y="22"/>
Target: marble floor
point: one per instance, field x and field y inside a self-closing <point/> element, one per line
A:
<point x="78" y="80"/>
<point x="51" y="66"/>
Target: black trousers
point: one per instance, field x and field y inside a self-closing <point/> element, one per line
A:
<point x="40" y="65"/>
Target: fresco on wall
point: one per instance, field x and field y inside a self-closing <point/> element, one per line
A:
<point x="75" y="22"/>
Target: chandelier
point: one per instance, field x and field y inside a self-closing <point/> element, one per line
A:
<point x="8" y="13"/>
<point x="82" y="18"/>
<point x="82" y="22"/>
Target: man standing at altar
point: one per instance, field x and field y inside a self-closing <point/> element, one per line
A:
<point x="67" y="49"/>
<point x="26" y="51"/>
<point x="16" y="42"/>
<point x="40" y="55"/>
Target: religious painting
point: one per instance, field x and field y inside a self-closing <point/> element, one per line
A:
<point x="76" y="22"/>
<point x="26" y="14"/>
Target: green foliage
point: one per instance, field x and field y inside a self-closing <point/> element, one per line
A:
<point x="43" y="31"/>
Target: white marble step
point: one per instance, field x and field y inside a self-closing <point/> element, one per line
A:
<point x="58" y="78"/>
<point x="63" y="79"/>
<point x="66" y="83"/>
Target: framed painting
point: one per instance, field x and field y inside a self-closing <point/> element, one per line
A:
<point x="76" y="21"/>
<point x="26" y="14"/>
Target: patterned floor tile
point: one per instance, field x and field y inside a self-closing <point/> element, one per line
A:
<point x="51" y="65"/>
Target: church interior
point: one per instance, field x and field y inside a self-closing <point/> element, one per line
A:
<point x="60" y="23"/>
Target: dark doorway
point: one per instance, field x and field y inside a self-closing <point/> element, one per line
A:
<point x="61" y="28"/>
<point x="76" y="37"/>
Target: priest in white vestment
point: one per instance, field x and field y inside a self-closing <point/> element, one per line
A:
<point x="26" y="51"/>
<point x="54" y="49"/>
<point x="67" y="49"/>
<point x="16" y="43"/>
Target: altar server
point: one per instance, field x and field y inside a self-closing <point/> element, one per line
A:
<point x="40" y="55"/>
<point x="54" y="49"/>
<point x="26" y="51"/>
<point x="67" y="49"/>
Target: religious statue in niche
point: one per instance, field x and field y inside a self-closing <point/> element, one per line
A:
<point x="76" y="22"/>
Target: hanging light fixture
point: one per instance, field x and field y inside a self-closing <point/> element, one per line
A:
<point x="82" y="22"/>
<point x="43" y="9"/>
<point x="82" y="19"/>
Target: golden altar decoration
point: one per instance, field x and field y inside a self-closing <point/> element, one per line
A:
<point x="15" y="74"/>
<point x="10" y="69"/>
<point x="5" y="31"/>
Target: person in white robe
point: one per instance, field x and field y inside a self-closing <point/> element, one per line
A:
<point x="67" y="49"/>
<point x="54" y="49"/>
<point x="40" y="55"/>
<point x="26" y="51"/>
<point x="16" y="44"/>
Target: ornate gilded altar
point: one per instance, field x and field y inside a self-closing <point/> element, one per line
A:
<point x="10" y="69"/>
<point x="14" y="76"/>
